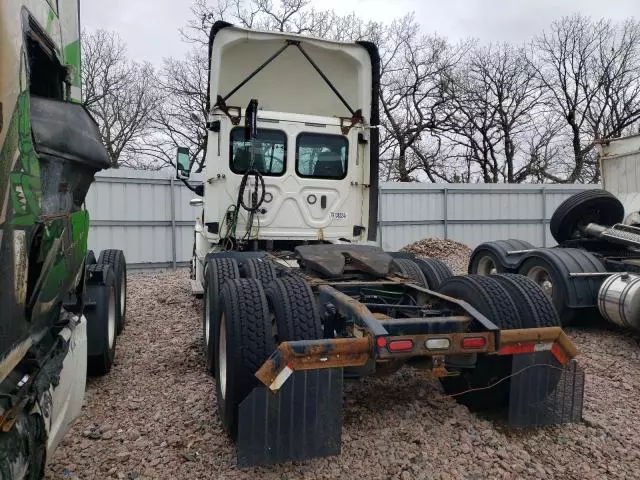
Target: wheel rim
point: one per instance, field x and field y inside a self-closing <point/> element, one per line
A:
<point x="222" y="356"/>
<point x="543" y="278"/>
<point x="486" y="266"/>
<point x="111" y="317"/>
<point x="207" y="316"/>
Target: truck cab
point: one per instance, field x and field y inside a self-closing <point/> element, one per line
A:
<point x="310" y="172"/>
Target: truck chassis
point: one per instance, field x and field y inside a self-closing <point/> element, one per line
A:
<point x="282" y="398"/>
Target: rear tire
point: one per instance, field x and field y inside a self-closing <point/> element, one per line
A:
<point x="118" y="263"/>
<point x="101" y="319"/>
<point x="293" y="305"/>
<point x="575" y="299"/>
<point x="492" y="300"/>
<point x="435" y="271"/>
<point x="536" y="311"/>
<point x="590" y="206"/>
<point x="535" y="308"/>
<point x="217" y="270"/>
<point x="410" y="268"/>
<point x="260" y="269"/>
<point x="245" y="342"/>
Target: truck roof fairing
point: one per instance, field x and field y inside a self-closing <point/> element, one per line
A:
<point x="290" y="82"/>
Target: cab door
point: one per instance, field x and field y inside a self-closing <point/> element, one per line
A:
<point x="320" y="195"/>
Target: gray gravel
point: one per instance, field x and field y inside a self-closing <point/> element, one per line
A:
<point x="154" y="415"/>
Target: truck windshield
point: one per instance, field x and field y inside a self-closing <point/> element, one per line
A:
<point x="320" y="155"/>
<point x="270" y="152"/>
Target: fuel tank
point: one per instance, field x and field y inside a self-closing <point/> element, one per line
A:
<point x="619" y="300"/>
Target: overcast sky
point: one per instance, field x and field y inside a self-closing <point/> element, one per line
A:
<point x="150" y="27"/>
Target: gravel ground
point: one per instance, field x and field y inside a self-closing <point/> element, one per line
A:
<point x="154" y="415"/>
<point x="455" y="254"/>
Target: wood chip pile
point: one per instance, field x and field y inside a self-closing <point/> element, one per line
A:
<point x="454" y="254"/>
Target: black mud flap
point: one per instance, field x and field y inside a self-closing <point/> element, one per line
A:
<point x="545" y="392"/>
<point x="302" y="420"/>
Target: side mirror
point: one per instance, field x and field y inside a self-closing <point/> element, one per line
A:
<point x="183" y="164"/>
<point x="251" y="120"/>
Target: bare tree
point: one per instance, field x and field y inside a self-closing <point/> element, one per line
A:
<point x="413" y="68"/>
<point x="590" y="72"/>
<point x="493" y="96"/>
<point x="616" y="105"/>
<point x="181" y="117"/>
<point x="292" y="16"/>
<point x="120" y="94"/>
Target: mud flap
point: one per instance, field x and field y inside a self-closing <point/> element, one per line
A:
<point x="545" y="392"/>
<point x="302" y="420"/>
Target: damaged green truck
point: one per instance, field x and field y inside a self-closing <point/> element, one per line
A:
<point x="60" y="307"/>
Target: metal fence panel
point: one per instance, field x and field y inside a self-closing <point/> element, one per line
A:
<point x="147" y="214"/>
<point x="470" y="214"/>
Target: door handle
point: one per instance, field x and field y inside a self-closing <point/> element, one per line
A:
<point x="323" y="201"/>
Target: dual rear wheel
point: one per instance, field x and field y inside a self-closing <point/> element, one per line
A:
<point x="105" y="307"/>
<point x="245" y="320"/>
<point x="510" y="302"/>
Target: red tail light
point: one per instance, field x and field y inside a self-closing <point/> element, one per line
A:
<point x="474" y="342"/>
<point x="381" y="342"/>
<point x="400" y="346"/>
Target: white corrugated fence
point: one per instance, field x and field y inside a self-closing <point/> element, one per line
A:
<point x="147" y="214"/>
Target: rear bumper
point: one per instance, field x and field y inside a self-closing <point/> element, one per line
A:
<point x="356" y="352"/>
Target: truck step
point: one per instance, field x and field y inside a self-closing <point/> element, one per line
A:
<point x="196" y="288"/>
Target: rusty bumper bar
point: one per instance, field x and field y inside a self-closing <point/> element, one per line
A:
<point x="313" y="354"/>
<point x="355" y="352"/>
<point x="529" y="340"/>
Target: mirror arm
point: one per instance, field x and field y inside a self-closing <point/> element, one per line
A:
<point x="198" y="189"/>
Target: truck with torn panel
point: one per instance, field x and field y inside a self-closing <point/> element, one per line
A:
<point x="60" y="307"/>
<point x="297" y="294"/>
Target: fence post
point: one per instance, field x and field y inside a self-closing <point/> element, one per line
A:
<point x="380" y="227"/>
<point x="172" y="196"/>
<point x="543" y="195"/>
<point x="445" y="213"/>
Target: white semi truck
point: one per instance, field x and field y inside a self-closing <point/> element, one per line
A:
<point x="297" y="296"/>
<point x="60" y="307"/>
